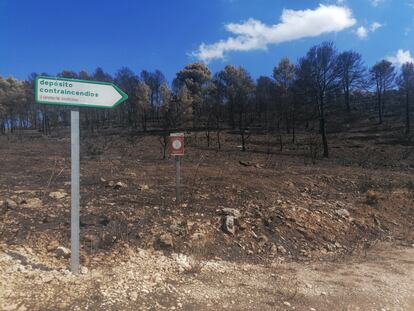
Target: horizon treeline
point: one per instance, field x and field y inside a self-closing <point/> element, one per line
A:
<point x="323" y="89"/>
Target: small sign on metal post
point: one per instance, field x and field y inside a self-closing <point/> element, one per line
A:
<point x="76" y="93"/>
<point x="177" y="150"/>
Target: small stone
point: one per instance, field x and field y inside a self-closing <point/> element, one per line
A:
<point x="10" y="204"/>
<point x="58" y="195"/>
<point x="229" y="225"/>
<point x="343" y="213"/>
<point x="166" y="240"/>
<point x="133" y="296"/>
<point x="323" y="293"/>
<point x="184" y="262"/>
<point x="242" y="226"/>
<point x="22" y="308"/>
<point x="263" y="240"/>
<point x="62" y="305"/>
<point x="52" y="246"/>
<point x="273" y="249"/>
<point x="143" y="187"/>
<point x="84" y="270"/>
<point x="287" y="304"/>
<point x="120" y="185"/>
<point x="111" y="183"/>
<point x="9" y="307"/>
<point x="281" y="249"/>
<point x="231" y="212"/>
<point x="62" y="252"/>
<point x="312" y="309"/>
<point x="34" y="203"/>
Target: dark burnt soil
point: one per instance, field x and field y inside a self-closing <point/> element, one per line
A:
<point x="289" y="206"/>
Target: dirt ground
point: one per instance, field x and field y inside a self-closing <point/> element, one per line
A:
<point x="332" y="235"/>
<point x="381" y="280"/>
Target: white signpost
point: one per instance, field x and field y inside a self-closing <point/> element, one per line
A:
<point x="177" y="150"/>
<point x="76" y="93"/>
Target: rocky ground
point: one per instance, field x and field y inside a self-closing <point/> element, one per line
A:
<point x="260" y="230"/>
<point x="150" y="280"/>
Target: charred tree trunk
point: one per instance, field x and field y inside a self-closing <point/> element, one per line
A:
<point x="347" y="99"/>
<point x="322" y="126"/>
<point x="407" y="113"/>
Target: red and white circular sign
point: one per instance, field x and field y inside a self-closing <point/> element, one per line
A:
<point x="177" y="144"/>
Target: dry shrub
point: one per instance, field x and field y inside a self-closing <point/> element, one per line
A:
<point x="286" y="285"/>
<point x="314" y="148"/>
<point x="366" y="183"/>
<point x="199" y="253"/>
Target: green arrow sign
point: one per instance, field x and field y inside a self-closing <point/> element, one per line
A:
<point x="80" y="93"/>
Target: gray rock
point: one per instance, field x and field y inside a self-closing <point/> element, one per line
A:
<point x="34" y="203"/>
<point x="133" y="296"/>
<point x="58" y="195"/>
<point x="229" y="225"/>
<point x="166" y="240"/>
<point x="62" y="252"/>
<point x="10" y="204"/>
<point x="52" y="246"/>
<point x="120" y="185"/>
<point x="231" y="212"/>
<point x="84" y="270"/>
<point x="343" y="213"/>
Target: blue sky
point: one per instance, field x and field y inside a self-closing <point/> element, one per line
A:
<point x="49" y="36"/>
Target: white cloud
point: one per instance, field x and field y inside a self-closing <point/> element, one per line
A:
<point x="294" y="25"/>
<point x="375" y="3"/>
<point x="401" y="57"/>
<point x="374" y="26"/>
<point x="363" y="32"/>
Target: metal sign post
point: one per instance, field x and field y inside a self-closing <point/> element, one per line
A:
<point x="177" y="150"/>
<point x="178" y="179"/>
<point x="77" y="93"/>
<point x="75" y="172"/>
